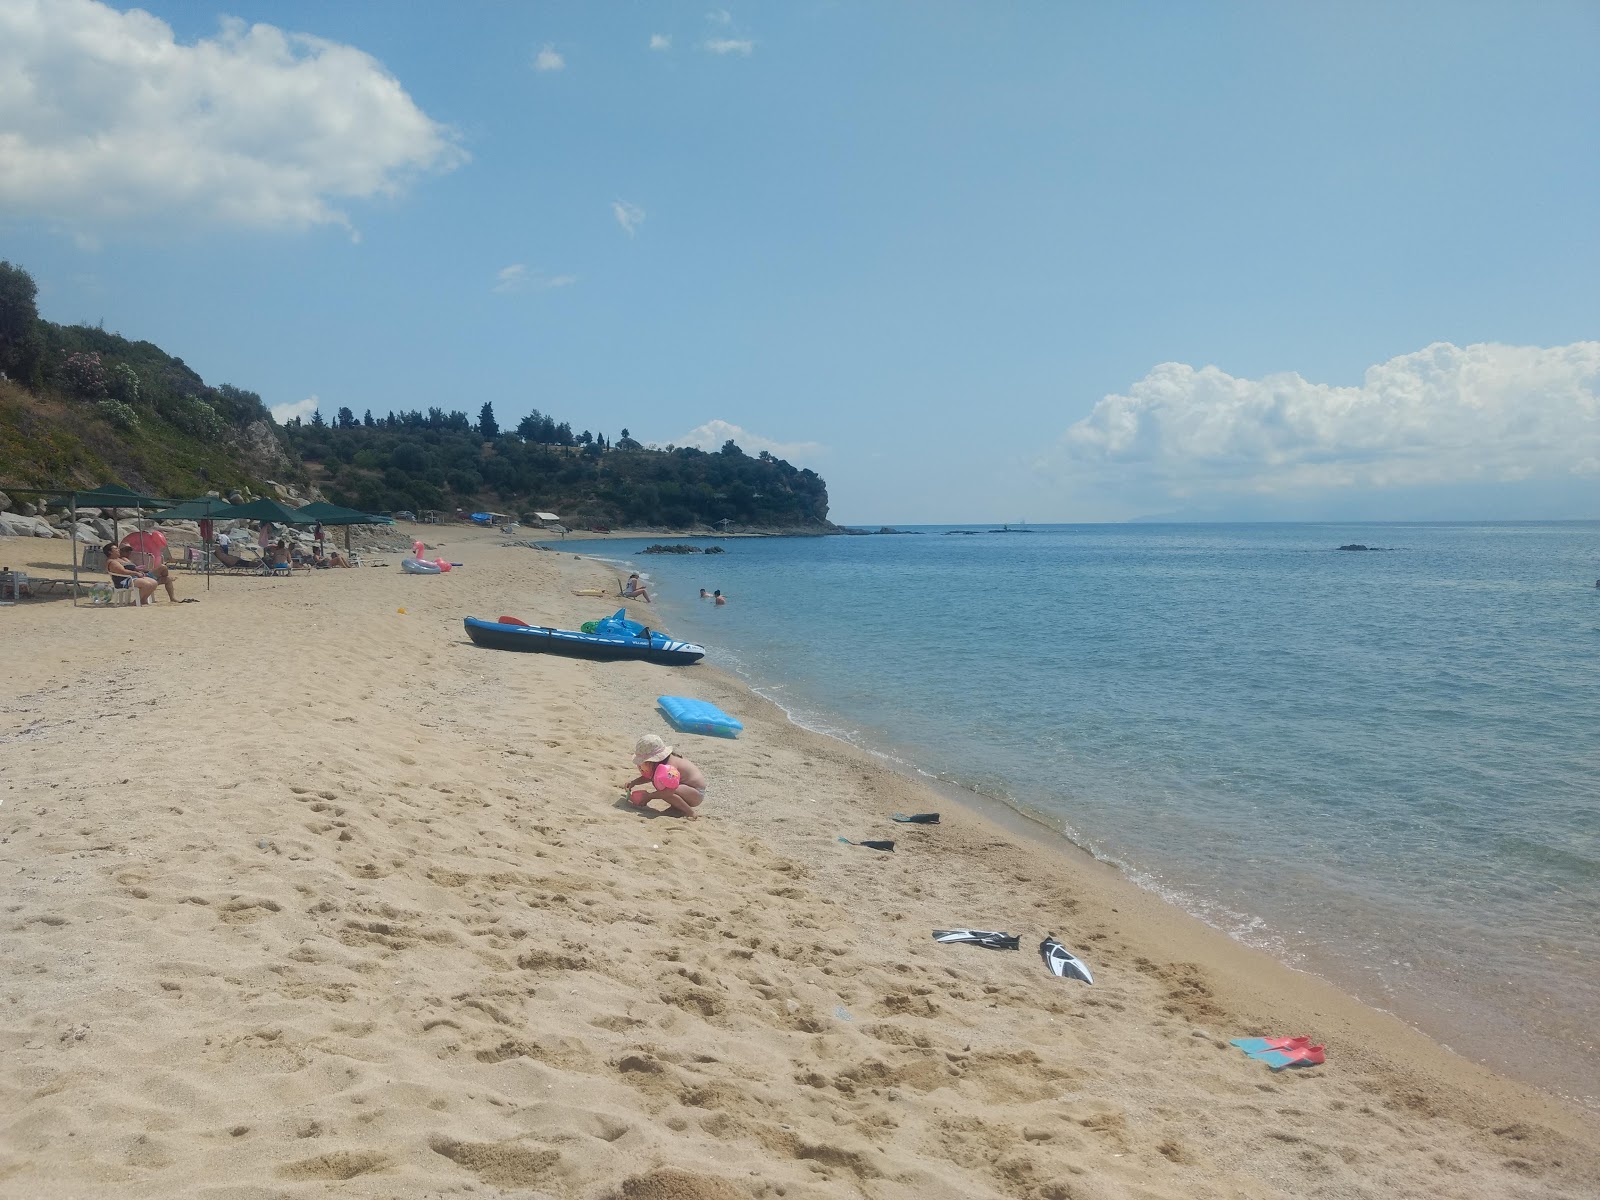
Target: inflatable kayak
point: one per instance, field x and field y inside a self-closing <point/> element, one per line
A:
<point x="646" y="645"/>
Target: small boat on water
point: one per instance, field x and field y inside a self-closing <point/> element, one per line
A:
<point x="607" y="644"/>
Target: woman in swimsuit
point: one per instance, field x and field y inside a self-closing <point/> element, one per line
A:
<point x="125" y="576"/>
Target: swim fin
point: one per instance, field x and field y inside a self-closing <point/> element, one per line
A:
<point x="988" y="939"/>
<point x="1062" y="961"/>
<point x="872" y="845"/>
<point x="1258" y="1045"/>
<point x="916" y="818"/>
<point x="1281" y="1052"/>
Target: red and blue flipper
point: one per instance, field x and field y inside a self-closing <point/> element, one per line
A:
<point x="1255" y="1046"/>
<point x="1281" y="1052"/>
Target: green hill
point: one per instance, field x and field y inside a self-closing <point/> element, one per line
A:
<point x="79" y="405"/>
<point x="442" y="461"/>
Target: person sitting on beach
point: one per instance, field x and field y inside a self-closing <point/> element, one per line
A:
<point x="634" y="589"/>
<point x="157" y="571"/>
<point x="278" y="556"/>
<point x="336" y="559"/>
<point x="124" y="575"/>
<point x="649" y="755"/>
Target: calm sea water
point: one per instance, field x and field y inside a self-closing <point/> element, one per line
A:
<point x="1381" y="766"/>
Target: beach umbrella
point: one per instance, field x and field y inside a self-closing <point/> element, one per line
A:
<point x="266" y="510"/>
<point x="204" y="509"/>
<point x="335" y="514"/>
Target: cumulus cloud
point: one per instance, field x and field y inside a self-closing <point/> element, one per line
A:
<point x="105" y="118"/>
<point x="1484" y="413"/>
<point x="660" y="41"/>
<point x="548" y="59"/>
<point x="742" y="46"/>
<point x="713" y="434"/>
<point x="629" y="216"/>
<point x="284" y="413"/>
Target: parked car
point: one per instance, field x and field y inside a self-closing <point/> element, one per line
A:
<point x="405" y="514"/>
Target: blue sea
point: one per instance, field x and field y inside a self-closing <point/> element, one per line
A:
<point x="1381" y="766"/>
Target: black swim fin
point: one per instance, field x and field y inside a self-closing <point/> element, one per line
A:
<point x="1062" y="961"/>
<point x="987" y="938"/>
<point x="873" y="845"/>
<point x="916" y="818"/>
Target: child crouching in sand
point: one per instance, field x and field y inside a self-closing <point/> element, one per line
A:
<point x="649" y="756"/>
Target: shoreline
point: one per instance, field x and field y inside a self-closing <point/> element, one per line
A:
<point x="1038" y="829"/>
<point x="377" y="916"/>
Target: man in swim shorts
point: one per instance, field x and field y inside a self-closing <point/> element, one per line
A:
<point x="653" y="752"/>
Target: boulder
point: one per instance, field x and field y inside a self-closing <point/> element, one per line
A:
<point x="16" y="525"/>
<point x="28" y="509"/>
<point x="5" y="502"/>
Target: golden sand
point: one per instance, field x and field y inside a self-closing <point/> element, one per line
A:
<point x="309" y="897"/>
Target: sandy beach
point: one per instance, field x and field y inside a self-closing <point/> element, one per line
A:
<point x="308" y="896"/>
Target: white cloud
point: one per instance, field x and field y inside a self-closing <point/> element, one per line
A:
<point x="548" y="59"/>
<point x="660" y="41"/>
<point x="510" y="279"/>
<point x="105" y="118"/>
<point x="720" y="16"/>
<point x="730" y="46"/>
<point x="284" y="413"/>
<point x="516" y="277"/>
<point x="629" y="216"/>
<point x="712" y="434"/>
<point x="1484" y="413"/>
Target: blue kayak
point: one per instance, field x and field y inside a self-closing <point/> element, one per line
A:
<point x="645" y="645"/>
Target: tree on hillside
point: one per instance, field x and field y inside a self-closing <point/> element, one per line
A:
<point x="21" y="347"/>
<point x="346" y="419"/>
<point x="316" y="419"/>
<point x="488" y="427"/>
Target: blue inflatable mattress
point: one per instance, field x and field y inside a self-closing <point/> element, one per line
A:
<point x="698" y="716"/>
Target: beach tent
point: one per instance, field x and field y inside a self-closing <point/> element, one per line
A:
<point x="107" y="495"/>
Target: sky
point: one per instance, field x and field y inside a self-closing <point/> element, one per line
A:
<point x="969" y="262"/>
